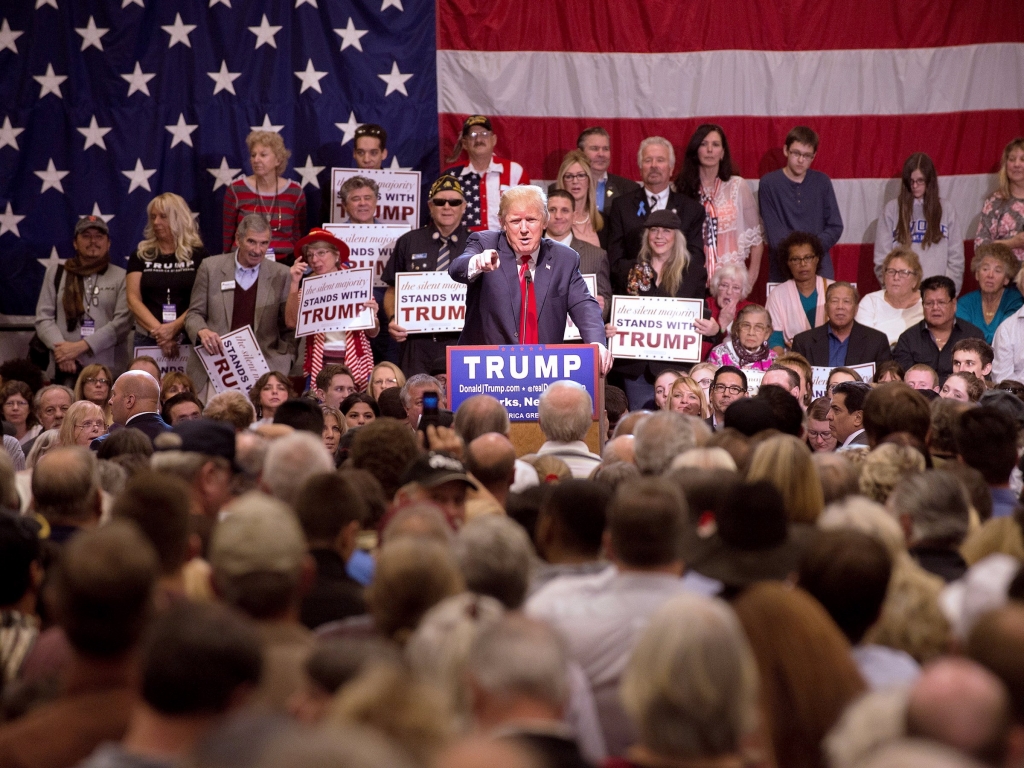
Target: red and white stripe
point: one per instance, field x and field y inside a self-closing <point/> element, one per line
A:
<point x="878" y="80"/>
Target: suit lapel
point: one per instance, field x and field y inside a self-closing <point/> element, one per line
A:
<point x="509" y="266"/>
<point x="855" y="349"/>
<point x="264" y="286"/>
<point x="542" y="278"/>
<point x="227" y="273"/>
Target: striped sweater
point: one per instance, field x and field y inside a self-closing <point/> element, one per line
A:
<point x="287" y="214"/>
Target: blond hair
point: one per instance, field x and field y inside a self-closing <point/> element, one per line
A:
<point x="785" y="462"/>
<point x="1004" y="180"/>
<point x="179" y="219"/>
<point x="675" y="265"/>
<point x="693" y="386"/>
<point x="76" y="414"/>
<point x="578" y="156"/>
<point x="274" y="143"/>
<point x="526" y="194"/>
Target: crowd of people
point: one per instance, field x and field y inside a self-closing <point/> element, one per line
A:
<point x="752" y="570"/>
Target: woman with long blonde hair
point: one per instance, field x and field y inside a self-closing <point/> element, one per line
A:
<point x="574" y="177"/>
<point x="161" y="273"/>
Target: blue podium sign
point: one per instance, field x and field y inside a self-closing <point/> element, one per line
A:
<point x="516" y="375"/>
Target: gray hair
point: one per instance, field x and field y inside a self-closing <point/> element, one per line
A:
<point x="38" y="399"/>
<point x="521" y="656"/>
<point x="870" y="722"/>
<point x="656" y="140"/>
<point x="65" y="483"/>
<point x="496" y="558"/>
<point x="736" y="271"/>
<point x="419" y="380"/>
<point x="936" y="504"/>
<point x="291" y="460"/>
<point x="565" y="412"/>
<point x="440" y="646"/>
<point x="664" y="435"/>
<point x="691" y="685"/>
<point x="357" y="182"/>
<point x="859" y="513"/>
<point x="253" y="222"/>
<point x="525" y="194"/>
<point x="41" y="446"/>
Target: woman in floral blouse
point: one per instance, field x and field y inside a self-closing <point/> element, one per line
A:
<point x="1002" y="216"/>
<point x="747" y="345"/>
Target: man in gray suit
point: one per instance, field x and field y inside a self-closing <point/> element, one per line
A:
<point x="593" y="260"/>
<point x="237" y="289"/>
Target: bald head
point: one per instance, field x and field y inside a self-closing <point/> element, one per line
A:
<point x="959" y="703"/>
<point x="491" y="459"/>
<point x="618" y="449"/>
<point x="134" y="392"/>
<point x="65" y="487"/>
<point x="479" y="415"/>
<point x="628" y="423"/>
<point x="997" y="643"/>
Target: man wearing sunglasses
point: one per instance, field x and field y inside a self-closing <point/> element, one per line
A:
<point x="427" y="249"/>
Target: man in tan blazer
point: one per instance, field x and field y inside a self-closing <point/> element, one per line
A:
<point x="242" y="288"/>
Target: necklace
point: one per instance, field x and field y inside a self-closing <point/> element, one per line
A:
<point x="259" y="206"/>
<point x="581" y="223"/>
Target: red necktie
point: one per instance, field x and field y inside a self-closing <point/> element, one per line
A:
<point x="527" y="305"/>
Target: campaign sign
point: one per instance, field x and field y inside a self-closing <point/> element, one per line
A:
<point x="334" y="302"/>
<point x="239" y="366"/>
<point x="164" y="363"/>
<point x="572" y="333"/>
<point x="820" y="374"/>
<point x="370" y="245"/>
<point x="656" y="328"/>
<point x="753" y="381"/>
<point x="517" y="375"/>
<point x="399" y="199"/>
<point x="429" y="302"/>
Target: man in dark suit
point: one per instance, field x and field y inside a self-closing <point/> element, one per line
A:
<point x="842" y="340"/>
<point x="497" y="266"/>
<point x="596" y="145"/>
<point x="593" y="260"/>
<point x="657" y="159"/>
<point x="135" y="402"/>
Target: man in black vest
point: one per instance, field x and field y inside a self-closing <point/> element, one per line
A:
<point x="427" y="249"/>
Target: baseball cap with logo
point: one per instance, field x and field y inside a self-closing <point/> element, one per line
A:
<point x="433" y="469"/>
<point x="476" y="120"/>
<point x="91" y="222"/>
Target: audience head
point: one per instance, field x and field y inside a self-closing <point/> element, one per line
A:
<point x="50" y="405"/>
<point x="334" y="383"/>
<point x="572" y="519"/>
<point x="491" y="459"/>
<point x="291" y="460"/>
<point x="565" y="412"/>
<point x="786" y="410"/>
<point x="385" y="448"/>
<point x="20" y="569"/>
<point x="181" y="407"/>
<point x="65" y="487"/>
<point x="134" y="392"/>
<point x="987" y="441"/>
<point x="496" y="559"/>
<point x="662" y="436"/>
<point x="932" y="509"/>
<point x="330" y="510"/>
<point x="646" y="523"/>
<point x="846" y="414"/>
<point x="159" y="505"/>
<point x="231" y="407"/>
<point x="785" y="461"/>
<point x="895" y="407"/>
<point x="885" y="466"/>
<point x="479" y="415"/>
<point x="962" y="386"/>
<point x="301" y="414"/>
<point x="83" y="423"/>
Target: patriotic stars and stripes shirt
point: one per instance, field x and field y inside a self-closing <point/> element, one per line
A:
<point x="482" y="196"/>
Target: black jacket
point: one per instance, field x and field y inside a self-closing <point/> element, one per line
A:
<point x="625" y="231"/>
<point x="866" y="345"/>
<point x="335" y="595"/>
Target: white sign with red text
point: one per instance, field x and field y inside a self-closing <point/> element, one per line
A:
<point x="429" y="302"/>
<point x="334" y="302"/>
<point x="399" y="198"/>
<point x="656" y="328"/>
<point x="572" y="333"/>
<point x="240" y="364"/>
<point x="370" y="245"/>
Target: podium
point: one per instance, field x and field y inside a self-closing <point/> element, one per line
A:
<point x="517" y="375"/>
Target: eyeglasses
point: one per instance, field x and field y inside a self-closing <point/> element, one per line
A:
<point x="904" y="273"/>
<point x="731" y="389"/>
<point x="759" y="328"/>
<point x="819" y="435"/>
<point x="322" y="252"/>
<point x="575" y="176"/>
<point x="440" y="202"/>
<point x="479" y="134"/>
<point x="89" y="424"/>
<point x="918" y="182"/>
<point x="382" y="382"/>
<point x="91" y="380"/>
<point x="801" y="155"/>
<point x="802" y="259"/>
<point x="936" y="304"/>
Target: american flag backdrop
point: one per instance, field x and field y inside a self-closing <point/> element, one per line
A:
<point x="877" y="79"/>
<point x="106" y="103"/>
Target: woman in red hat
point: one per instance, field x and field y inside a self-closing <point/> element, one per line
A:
<point x="322" y="252"/>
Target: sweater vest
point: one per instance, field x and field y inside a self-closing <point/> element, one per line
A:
<point x="243" y="311"/>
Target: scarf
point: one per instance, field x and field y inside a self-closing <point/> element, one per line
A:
<point x="710" y="227"/>
<point x="641" y="279"/>
<point x="74" y="286"/>
<point x="748" y="358"/>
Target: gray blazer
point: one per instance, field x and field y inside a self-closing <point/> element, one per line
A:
<point x="107" y="345"/>
<point x="212" y="307"/>
<point x="594" y="261"/>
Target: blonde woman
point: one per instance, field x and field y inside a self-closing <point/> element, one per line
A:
<point x="384" y="376"/>
<point x="785" y="462"/>
<point x="575" y="178"/>
<point x="269" y="194"/>
<point x="688" y="398"/>
<point x="82" y="424"/>
<point x="161" y="273"/>
<point x="664" y="268"/>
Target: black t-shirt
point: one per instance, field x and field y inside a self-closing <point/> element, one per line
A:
<point x="167" y="273"/>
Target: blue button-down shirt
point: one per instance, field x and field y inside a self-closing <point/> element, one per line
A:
<point x="245" y="277"/>
<point x="837" y="350"/>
